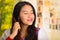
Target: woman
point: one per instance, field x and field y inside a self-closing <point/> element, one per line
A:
<point x="23" y="23"/>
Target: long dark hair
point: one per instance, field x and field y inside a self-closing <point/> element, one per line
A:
<point x="31" y="29"/>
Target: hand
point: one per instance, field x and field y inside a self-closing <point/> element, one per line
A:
<point x="16" y="27"/>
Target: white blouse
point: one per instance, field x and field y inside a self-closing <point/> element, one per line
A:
<point x="42" y="34"/>
<point x="5" y="35"/>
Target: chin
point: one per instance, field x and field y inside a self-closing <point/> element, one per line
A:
<point x="30" y="24"/>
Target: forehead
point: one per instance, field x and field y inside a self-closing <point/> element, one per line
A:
<point x="27" y="8"/>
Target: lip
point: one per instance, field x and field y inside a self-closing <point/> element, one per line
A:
<point x="30" y="20"/>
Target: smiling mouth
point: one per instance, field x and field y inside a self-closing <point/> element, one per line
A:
<point x="30" y="20"/>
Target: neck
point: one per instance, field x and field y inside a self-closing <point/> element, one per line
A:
<point x="24" y="27"/>
<point x="24" y="30"/>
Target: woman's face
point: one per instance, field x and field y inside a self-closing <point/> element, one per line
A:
<point x="27" y="15"/>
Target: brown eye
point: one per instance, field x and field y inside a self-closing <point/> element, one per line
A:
<point x="32" y="12"/>
<point x="25" y="13"/>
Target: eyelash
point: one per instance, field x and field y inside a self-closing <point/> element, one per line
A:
<point x="27" y="13"/>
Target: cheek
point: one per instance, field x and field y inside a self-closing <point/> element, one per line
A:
<point x="23" y="19"/>
<point x="33" y="17"/>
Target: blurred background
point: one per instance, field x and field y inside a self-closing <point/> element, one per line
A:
<point x="47" y="11"/>
<point x="6" y="10"/>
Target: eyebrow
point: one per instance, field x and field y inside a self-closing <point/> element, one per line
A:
<point x="27" y="11"/>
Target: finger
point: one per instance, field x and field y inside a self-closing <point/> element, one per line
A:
<point x="17" y="25"/>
